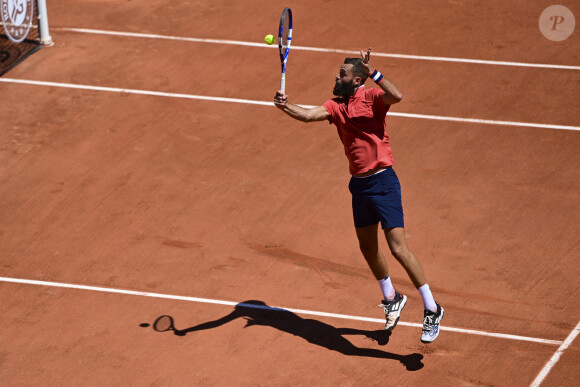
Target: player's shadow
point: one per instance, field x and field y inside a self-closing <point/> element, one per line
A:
<point x="257" y="313"/>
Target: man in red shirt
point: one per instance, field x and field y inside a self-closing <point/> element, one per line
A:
<point x="359" y="115"/>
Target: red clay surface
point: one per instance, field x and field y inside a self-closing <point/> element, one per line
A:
<point x="239" y="202"/>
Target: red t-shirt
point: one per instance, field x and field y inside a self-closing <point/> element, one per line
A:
<point x="360" y="121"/>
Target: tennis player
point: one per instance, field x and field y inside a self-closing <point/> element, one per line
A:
<point x="359" y="115"/>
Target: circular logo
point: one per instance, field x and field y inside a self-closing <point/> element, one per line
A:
<point x="17" y="18"/>
<point x="557" y="23"/>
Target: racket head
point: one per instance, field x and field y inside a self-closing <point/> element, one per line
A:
<point x="163" y="324"/>
<point x="285" y="34"/>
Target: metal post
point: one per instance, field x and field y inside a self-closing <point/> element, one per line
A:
<point x="45" y="38"/>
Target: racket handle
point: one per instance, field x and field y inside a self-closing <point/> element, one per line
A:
<point x="283" y="82"/>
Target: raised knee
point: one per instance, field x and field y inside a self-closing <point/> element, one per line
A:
<point x="400" y="253"/>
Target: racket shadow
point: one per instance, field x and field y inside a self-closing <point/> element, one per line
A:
<point x="257" y="313"/>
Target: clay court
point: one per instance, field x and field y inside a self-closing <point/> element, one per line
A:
<point x="144" y="171"/>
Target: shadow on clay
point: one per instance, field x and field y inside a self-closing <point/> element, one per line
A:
<point x="257" y="313"/>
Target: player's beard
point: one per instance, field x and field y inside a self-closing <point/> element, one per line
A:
<point x="344" y="89"/>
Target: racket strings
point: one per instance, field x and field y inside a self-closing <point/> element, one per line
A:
<point x="285" y="33"/>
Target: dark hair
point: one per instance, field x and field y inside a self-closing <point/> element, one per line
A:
<point x="357" y="69"/>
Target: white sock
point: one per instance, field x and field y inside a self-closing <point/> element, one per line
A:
<point x="427" y="297"/>
<point x="387" y="288"/>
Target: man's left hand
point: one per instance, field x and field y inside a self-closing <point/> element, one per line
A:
<point x="366" y="57"/>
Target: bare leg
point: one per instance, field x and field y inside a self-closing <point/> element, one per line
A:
<point x="398" y="245"/>
<point x="369" y="246"/>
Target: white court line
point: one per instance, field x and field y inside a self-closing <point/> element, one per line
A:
<point x="548" y="367"/>
<point x="317" y="49"/>
<point x="486" y="122"/>
<point x="264" y="103"/>
<point x="135" y="91"/>
<point x="273" y="308"/>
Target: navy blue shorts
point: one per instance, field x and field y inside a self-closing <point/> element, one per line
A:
<point x="377" y="198"/>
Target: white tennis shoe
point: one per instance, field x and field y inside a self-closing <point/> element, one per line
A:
<point x="393" y="310"/>
<point x="431" y="323"/>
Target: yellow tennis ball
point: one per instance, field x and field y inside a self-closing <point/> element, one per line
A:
<point x="269" y="39"/>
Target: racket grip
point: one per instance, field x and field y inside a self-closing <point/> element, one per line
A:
<point x="283" y="83"/>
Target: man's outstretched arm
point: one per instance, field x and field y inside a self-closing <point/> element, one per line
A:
<point x="318" y="113"/>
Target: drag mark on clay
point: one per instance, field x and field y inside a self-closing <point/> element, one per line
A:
<point x="320" y="266"/>
<point x="181" y="244"/>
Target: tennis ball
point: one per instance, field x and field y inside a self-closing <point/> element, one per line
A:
<point x="269" y="39"/>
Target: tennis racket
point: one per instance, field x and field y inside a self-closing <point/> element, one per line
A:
<point x="284" y="40"/>
<point x="164" y="324"/>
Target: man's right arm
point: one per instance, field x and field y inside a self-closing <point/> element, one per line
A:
<point x="318" y="113"/>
